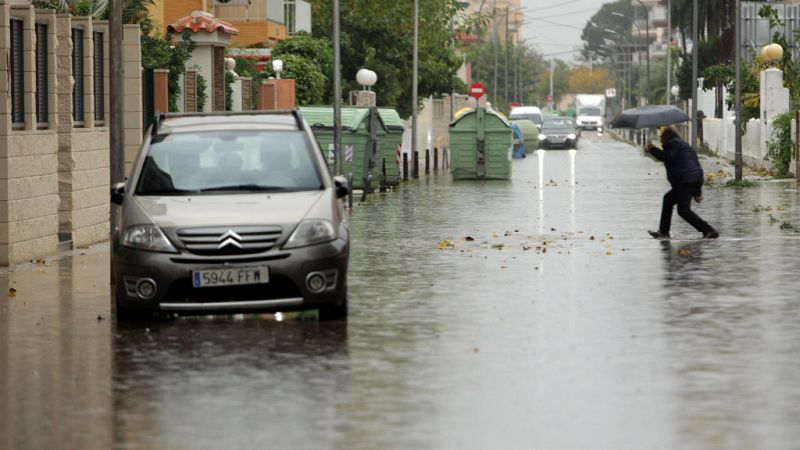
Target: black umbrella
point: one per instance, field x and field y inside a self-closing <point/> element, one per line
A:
<point x="650" y="116"/>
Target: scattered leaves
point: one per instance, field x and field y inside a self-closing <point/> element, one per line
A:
<point x="12" y="292"/>
<point x="445" y="244"/>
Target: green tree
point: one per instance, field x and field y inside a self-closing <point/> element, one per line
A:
<point x="379" y="36"/>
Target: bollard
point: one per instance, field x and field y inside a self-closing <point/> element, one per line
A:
<point x="427" y="161"/>
<point x="350" y="188"/>
<point x="383" y="175"/>
<point x="435" y="159"/>
<point x="415" y="170"/>
<point x="405" y="166"/>
<point x="445" y="158"/>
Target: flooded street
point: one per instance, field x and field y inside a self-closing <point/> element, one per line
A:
<point x="531" y="313"/>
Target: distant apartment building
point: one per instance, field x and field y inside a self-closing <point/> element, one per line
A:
<point x="260" y="22"/>
<point x="509" y="17"/>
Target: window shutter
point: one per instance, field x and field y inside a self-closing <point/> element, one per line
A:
<point x="42" y="88"/>
<point x="17" y="74"/>
<point x="77" y="74"/>
<point x="99" y="78"/>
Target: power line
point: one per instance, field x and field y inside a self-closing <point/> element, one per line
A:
<point x="559" y="15"/>
<point x="556" y="5"/>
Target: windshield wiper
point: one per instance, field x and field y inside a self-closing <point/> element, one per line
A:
<point x="244" y="187"/>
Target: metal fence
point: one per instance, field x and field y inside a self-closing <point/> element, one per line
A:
<point x="757" y="33"/>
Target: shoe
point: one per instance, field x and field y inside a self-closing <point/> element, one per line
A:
<point x="659" y="235"/>
<point x="713" y="234"/>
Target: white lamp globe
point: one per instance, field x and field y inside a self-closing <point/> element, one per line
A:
<point x="366" y="77"/>
<point x="277" y="65"/>
<point x="675" y="90"/>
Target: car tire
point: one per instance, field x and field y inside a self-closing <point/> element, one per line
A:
<point x="334" y="312"/>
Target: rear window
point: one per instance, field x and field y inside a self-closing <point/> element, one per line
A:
<point x="219" y="161"/>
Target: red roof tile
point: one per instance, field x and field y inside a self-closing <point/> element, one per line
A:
<point x="199" y="20"/>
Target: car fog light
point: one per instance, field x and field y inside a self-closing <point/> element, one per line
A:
<point x="146" y="288"/>
<point x="315" y="282"/>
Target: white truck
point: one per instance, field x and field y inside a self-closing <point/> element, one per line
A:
<point x="589" y="111"/>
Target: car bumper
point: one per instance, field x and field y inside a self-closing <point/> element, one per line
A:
<point x="560" y="144"/>
<point x="286" y="290"/>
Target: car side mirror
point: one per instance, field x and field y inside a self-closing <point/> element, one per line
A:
<point x="342" y="187"/>
<point x="117" y="193"/>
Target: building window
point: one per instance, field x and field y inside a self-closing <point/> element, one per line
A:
<point x="99" y="79"/>
<point x="17" y="75"/>
<point x="77" y="74"/>
<point x="42" y="87"/>
<point x="290" y="16"/>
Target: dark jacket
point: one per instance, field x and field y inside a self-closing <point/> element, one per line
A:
<point x="681" y="162"/>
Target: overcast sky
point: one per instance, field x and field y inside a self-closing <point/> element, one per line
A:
<point x="554" y="26"/>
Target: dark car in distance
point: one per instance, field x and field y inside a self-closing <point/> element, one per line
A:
<point x="559" y="132"/>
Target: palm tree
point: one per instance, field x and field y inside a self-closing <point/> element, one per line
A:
<point x="133" y="11"/>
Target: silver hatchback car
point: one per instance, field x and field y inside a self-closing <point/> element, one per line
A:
<point x="228" y="213"/>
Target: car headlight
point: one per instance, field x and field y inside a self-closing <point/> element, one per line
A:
<point x="578" y="122"/>
<point x="310" y="232"/>
<point x="542" y="137"/>
<point x="147" y="237"/>
<point x="571" y="136"/>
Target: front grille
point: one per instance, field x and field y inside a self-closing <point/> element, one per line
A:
<point x="278" y="287"/>
<point x="229" y="240"/>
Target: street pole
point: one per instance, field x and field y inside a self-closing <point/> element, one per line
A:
<point x="669" y="52"/>
<point x="415" y="81"/>
<point x="695" y="51"/>
<point x="494" y="47"/>
<point x="647" y="50"/>
<point x="337" y="93"/>
<point x="117" y="94"/>
<point x="452" y="81"/>
<point x="505" y="80"/>
<point x="552" y="69"/>
<point x="738" y="122"/>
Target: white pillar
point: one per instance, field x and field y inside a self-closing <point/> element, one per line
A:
<point x="236" y="94"/>
<point x="774" y="101"/>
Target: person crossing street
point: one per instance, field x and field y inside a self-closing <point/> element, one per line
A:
<point x="685" y="175"/>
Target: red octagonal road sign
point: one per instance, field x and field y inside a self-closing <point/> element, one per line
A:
<point x="476" y="90"/>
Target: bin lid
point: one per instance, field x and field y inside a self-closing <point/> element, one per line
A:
<point x="322" y="117"/>
<point x="466" y="112"/>
<point x="391" y="119"/>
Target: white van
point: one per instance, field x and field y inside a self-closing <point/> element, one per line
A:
<point x="532" y="113"/>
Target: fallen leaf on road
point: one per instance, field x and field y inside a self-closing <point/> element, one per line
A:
<point x="498" y="245"/>
<point x="444" y="244"/>
<point x="591" y="238"/>
<point x="12" y="292"/>
<point x="469" y="238"/>
<point x="685" y="252"/>
<point x="476" y="350"/>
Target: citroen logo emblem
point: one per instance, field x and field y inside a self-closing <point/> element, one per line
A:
<point x="230" y="237"/>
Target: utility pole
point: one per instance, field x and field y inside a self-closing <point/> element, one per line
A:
<point x="647" y="49"/>
<point x="552" y="69"/>
<point x="738" y="122"/>
<point x="117" y="94"/>
<point x="452" y="90"/>
<point x="695" y="51"/>
<point x="669" y="52"/>
<point x="505" y="80"/>
<point x="494" y="47"/>
<point x="415" y="82"/>
<point x="337" y="93"/>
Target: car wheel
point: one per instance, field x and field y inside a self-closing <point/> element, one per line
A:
<point x="334" y="312"/>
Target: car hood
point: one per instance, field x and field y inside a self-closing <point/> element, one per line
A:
<point x="558" y="131"/>
<point x="232" y="209"/>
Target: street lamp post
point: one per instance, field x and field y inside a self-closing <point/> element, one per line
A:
<point x="415" y="81"/>
<point x="738" y="122"/>
<point x="669" y="52"/>
<point x="647" y="48"/>
<point x="695" y="51"/>
<point x="628" y="71"/>
<point x="337" y="93"/>
<point x="646" y="89"/>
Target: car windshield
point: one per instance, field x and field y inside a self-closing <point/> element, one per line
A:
<point x="590" y="112"/>
<point x="227" y="161"/>
<point x="558" y="124"/>
<point x="535" y="118"/>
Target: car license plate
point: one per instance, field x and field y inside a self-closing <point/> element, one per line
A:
<point x="230" y="277"/>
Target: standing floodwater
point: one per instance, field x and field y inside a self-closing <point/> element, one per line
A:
<point x="530" y="313"/>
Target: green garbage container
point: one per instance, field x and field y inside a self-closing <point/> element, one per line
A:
<point x="391" y="144"/>
<point x="531" y="133"/>
<point x="480" y="145"/>
<point x="358" y="156"/>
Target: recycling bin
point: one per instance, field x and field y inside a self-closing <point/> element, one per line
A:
<point x="531" y="133"/>
<point x="480" y="144"/>
<point x="391" y="145"/>
<point x="360" y="155"/>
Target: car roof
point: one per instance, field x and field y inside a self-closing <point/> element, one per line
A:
<point x="526" y="110"/>
<point x="188" y="122"/>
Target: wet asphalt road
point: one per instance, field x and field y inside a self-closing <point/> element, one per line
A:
<point x="559" y="325"/>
